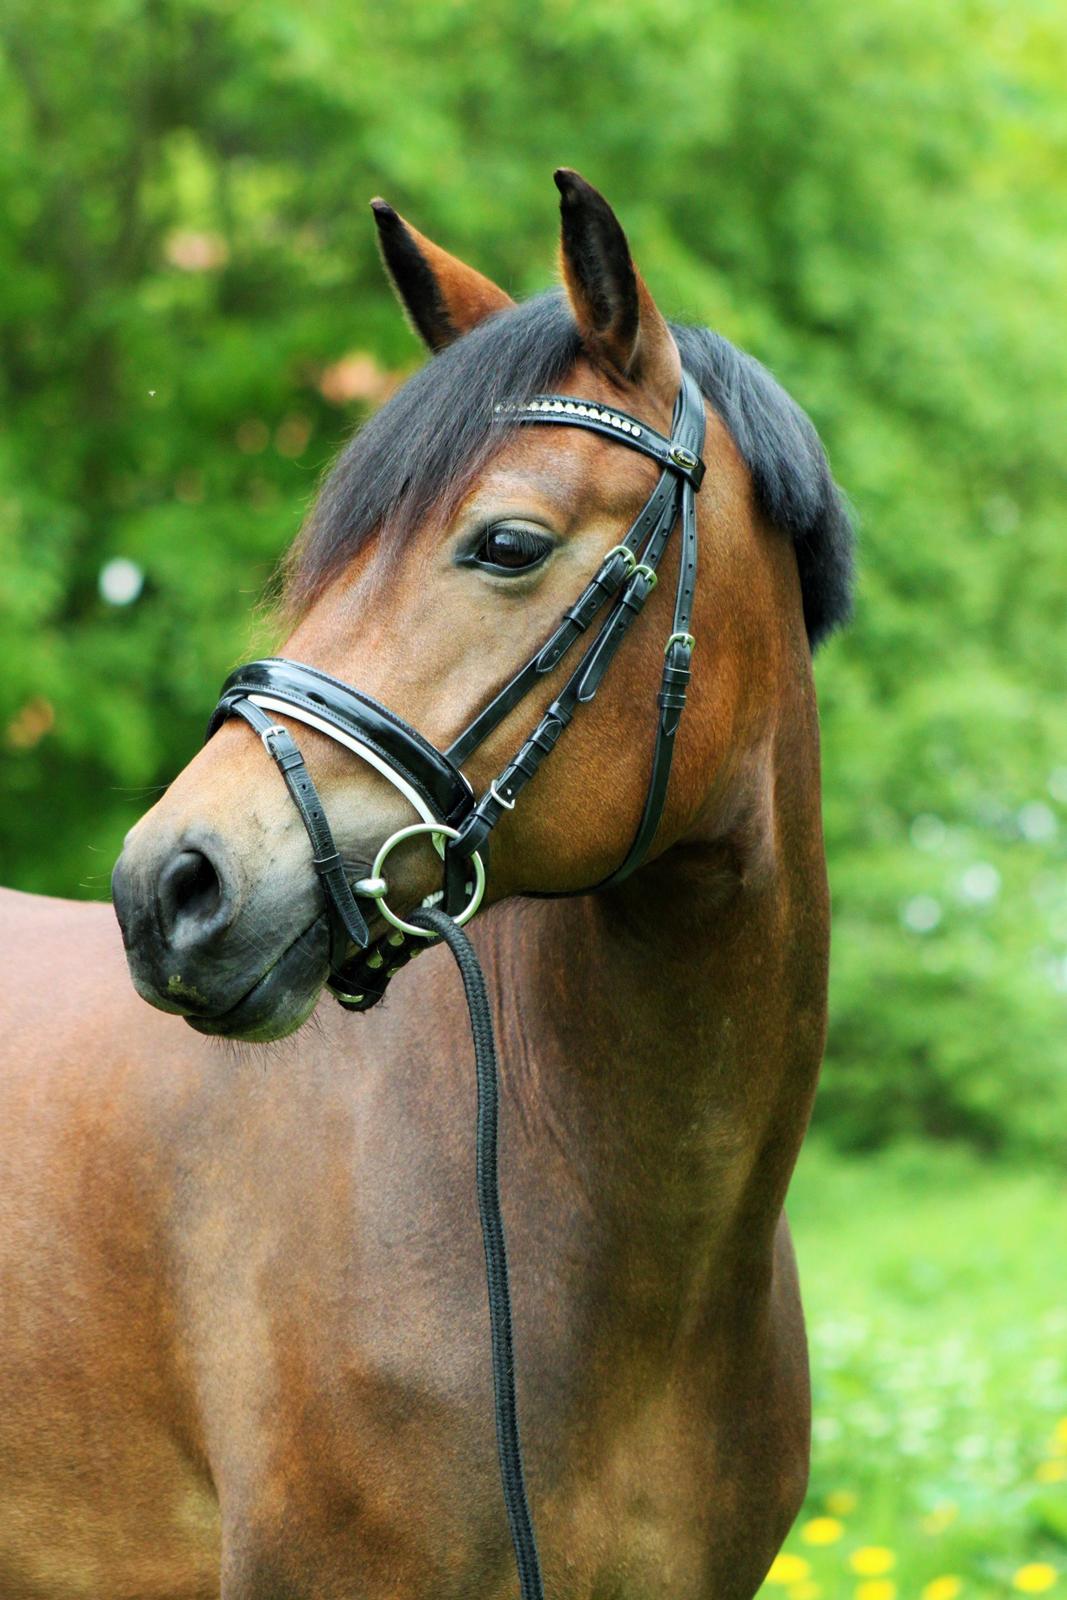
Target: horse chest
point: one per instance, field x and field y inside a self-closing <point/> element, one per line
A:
<point x="365" y="1421"/>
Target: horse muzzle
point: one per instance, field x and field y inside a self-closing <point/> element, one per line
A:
<point x="205" y="944"/>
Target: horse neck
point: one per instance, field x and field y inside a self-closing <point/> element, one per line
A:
<point x="669" y="1032"/>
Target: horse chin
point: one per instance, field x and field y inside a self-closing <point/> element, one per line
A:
<point x="281" y="999"/>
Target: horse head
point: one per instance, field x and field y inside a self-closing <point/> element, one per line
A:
<point x="449" y="542"/>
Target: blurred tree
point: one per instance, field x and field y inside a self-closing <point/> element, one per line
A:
<point x="870" y="198"/>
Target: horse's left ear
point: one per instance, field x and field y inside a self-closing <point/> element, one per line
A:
<point x="443" y="297"/>
<point x="621" y="326"/>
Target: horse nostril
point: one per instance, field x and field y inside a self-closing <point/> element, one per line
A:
<point x="192" y="897"/>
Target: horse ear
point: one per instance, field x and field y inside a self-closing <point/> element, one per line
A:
<point x="443" y="298"/>
<point x="621" y="326"/>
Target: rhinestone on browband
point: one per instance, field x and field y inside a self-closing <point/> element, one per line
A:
<point x="576" y="408"/>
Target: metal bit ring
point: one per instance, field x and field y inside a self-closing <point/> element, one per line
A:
<point x="376" y="887"/>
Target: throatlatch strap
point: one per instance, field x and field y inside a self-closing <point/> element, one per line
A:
<point x="678" y="652"/>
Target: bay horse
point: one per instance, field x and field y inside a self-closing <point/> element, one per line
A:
<point x="243" y="1347"/>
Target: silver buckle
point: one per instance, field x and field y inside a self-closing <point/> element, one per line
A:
<point x="679" y="638"/>
<point x="621" y="550"/>
<point x="509" y="805"/>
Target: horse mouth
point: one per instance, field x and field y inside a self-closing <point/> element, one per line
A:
<point x="282" y="998"/>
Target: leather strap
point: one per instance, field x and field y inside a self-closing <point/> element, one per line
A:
<point x="617" y="566"/>
<point x="673" y="499"/>
<point x="678" y="652"/>
<point x="346" y="919"/>
<point x="436" y="779"/>
<point x="564" y="409"/>
<point x="579" y="689"/>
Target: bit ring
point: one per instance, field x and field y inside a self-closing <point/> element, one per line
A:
<point x="377" y="887"/>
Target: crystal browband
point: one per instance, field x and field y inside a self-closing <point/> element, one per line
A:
<point x="574" y="408"/>
<point x="669" y="453"/>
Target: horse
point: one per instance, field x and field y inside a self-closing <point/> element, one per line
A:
<point x="244" y="1347"/>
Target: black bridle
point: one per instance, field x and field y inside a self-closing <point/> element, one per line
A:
<point x="432" y="780"/>
<point x="434" y="784"/>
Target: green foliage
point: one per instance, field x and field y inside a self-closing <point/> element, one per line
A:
<point x="936" y="1329"/>
<point x="870" y="198"/>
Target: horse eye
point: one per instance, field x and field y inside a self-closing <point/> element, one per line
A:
<point x="508" y="548"/>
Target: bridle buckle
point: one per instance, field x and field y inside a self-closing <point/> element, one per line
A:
<point x="501" y="800"/>
<point x="621" y="550"/>
<point x="679" y="638"/>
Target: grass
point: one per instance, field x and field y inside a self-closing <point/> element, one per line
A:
<point x="936" y="1295"/>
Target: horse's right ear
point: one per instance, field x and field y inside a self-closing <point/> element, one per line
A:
<point x="443" y="297"/>
<point x="622" y="329"/>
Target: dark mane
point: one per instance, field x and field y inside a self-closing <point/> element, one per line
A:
<point x="429" y="443"/>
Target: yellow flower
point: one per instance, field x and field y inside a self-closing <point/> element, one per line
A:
<point x="940" y="1518"/>
<point x="787" y="1568"/>
<point x="805" y="1591"/>
<point x="1034" y="1578"/>
<point x="946" y="1588"/>
<point x="870" y="1560"/>
<point x="822" y="1530"/>
<point x="1052" y="1472"/>
<point x="876" y="1589"/>
<point x="840" y="1502"/>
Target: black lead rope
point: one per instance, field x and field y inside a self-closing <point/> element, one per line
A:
<point x="509" y="1446"/>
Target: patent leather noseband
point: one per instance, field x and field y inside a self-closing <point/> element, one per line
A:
<point x="431" y="780"/>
